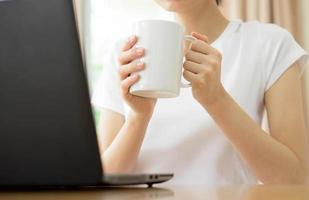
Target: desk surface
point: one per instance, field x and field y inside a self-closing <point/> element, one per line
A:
<point x="167" y="192"/>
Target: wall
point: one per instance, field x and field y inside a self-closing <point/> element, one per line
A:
<point x="304" y="19"/>
<point x="304" y="16"/>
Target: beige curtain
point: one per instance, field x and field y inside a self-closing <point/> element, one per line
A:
<point x="293" y="15"/>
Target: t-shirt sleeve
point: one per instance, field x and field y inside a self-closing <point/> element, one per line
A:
<point x="107" y="92"/>
<point x="283" y="52"/>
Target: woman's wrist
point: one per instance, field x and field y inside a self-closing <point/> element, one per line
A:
<point x="139" y="117"/>
<point x="218" y="99"/>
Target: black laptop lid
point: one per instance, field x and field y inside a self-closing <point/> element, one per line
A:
<point x="47" y="134"/>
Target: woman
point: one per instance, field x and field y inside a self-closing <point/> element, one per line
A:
<point x="210" y="134"/>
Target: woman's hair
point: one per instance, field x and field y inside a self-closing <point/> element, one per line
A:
<point x="218" y="2"/>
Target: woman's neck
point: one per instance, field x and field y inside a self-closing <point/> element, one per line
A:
<point x="205" y="19"/>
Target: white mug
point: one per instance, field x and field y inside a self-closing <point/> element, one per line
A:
<point x="163" y="42"/>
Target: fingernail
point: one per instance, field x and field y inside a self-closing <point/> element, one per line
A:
<point x="132" y="38"/>
<point x="140" y="65"/>
<point x="140" y="52"/>
<point x="134" y="76"/>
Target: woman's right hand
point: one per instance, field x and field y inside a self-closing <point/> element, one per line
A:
<point x="141" y="107"/>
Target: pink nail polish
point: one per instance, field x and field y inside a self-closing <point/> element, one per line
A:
<point x="135" y="76"/>
<point x="132" y="38"/>
<point x="140" y="52"/>
<point x="140" y="65"/>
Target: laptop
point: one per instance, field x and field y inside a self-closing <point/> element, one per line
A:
<point x="47" y="131"/>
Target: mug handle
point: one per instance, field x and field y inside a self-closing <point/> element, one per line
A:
<point x="192" y="40"/>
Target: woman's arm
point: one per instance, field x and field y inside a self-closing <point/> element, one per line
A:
<point x="280" y="156"/>
<point x="120" y="140"/>
<point x="275" y="158"/>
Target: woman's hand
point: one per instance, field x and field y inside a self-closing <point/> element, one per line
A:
<point x="203" y="71"/>
<point x="141" y="107"/>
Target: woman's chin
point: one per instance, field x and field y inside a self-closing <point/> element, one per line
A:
<point x="172" y="5"/>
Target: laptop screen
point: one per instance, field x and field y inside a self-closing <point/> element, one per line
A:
<point x="47" y="133"/>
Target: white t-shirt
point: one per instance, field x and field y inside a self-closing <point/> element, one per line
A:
<point x="181" y="137"/>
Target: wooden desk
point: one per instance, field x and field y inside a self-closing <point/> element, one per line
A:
<point x="167" y="192"/>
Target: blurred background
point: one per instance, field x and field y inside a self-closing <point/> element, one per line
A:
<point x="102" y="22"/>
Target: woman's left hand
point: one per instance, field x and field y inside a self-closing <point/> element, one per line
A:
<point x="203" y="71"/>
